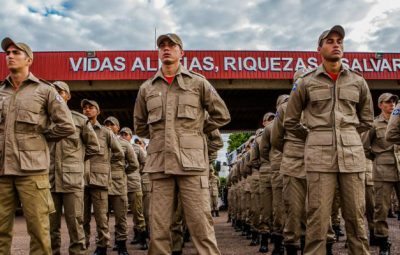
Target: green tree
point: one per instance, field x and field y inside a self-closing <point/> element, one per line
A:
<point x="237" y="139"/>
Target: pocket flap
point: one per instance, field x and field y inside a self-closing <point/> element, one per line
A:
<point x="191" y="142"/>
<point x="319" y="138"/>
<point x="320" y="94"/>
<point x="35" y="143"/>
<point x="191" y="100"/>
<point x="349" y="94"/>
<point x="385" y="160"/>
<point x="73" y="167"/>
<point x="28" y="116"/>
<point x="103" y="168"/>
<point x="349" y="139"/>
<point x="153" y="103"/>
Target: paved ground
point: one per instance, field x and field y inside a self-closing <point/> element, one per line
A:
<point x="229" y="241"/>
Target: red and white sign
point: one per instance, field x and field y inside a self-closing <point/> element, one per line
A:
<point x="141" y="65"/>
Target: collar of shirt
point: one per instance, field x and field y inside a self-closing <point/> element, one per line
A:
<point x="321" y="70"/>
<point x="179" y="73"/>
<point x="30" y="77"/>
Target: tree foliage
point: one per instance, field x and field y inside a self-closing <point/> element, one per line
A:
<point x="237" y="139"/>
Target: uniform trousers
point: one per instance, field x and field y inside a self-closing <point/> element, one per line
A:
<point x="195" y="197"/>
<point x="382" y="204"/>
<point x="37" y="204"/>
<point x="99" y="199"/>
<point x="320" y="194"/>
<point x="73" y="213"/>
<point x="255" y="201"/>
<point x="119" y="203"/>
<point x="266" y="217"/>
<point x="136" y="206"/>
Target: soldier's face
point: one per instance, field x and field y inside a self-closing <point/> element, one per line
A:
<point x="17" y="59"/>
<point x="126" y="136"/>
<point x="332" y="47"/>
<point x="388" y="106"/>
<point x="90" y="111"/>
<point x="169" y="52"/>
<point x="112" y="127"/>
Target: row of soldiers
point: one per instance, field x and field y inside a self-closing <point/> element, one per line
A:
<point x="127" y="183"/>
<point x="97" y="166"/>
<point x="268" y="186"/>
<point x="54" y="160"/>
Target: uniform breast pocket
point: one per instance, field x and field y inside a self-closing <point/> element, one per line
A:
<point x="321" y="100"/>
<point x="348" y="98"/>
<point x="155" y="109"/>
<point x="188" y="106"/>
<point x="27" y="118"/>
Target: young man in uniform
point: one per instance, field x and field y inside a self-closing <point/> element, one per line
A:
<point x="67" y="159"/>
<point x="32" y="114"/>
<point x="385" y="169"/>
<point x="170" y="110"/>
<point x="135" y="194"/>
<point x="97" y="178"/>
<point x="118" y="190"/>
<point x="337" y="107"/>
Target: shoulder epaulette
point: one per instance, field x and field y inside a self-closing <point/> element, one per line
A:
<point x="200" y="75"/>
<point x="308" y="72"/>
<point x="356" y="72"/>
<point x="79" y="115"/>
<point x="47" y="82"/>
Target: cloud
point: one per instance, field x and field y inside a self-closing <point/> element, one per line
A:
<point x="59" y="25"/>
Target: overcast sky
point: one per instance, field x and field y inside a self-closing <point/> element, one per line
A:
<point x="59" y="25"/>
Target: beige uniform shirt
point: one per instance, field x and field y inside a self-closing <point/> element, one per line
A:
<point x="214" y="184"/>
<point x="172" y="116"/>
<point x="98" y="168"/>
<point x="134" y="179"/>
<point x="120" y="168"/>
<point x="335" y="113"/>
<point x="264" y="149"/>
<point x="393" y="129"/>
<point x="292" y="147"/>
<point x="29" y="118"/>
<point x="383" y="153"/>
<point x="68" y="155"/>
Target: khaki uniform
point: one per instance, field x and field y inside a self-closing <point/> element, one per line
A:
<point x="294" y="179"/>
<point x="246" y="187"/>
<point x="232" y="194"/>
<point x="266" y="218"/>
<point x="392" y="134"/>
<point x="214" y="185"/>
<point x="135" y="194"/>
<point x="275" y="157"/>
<point x="29" y="117"/>
<point x="335" y="113"/>
<point x="118" y="190"/>
<point x="255" y="184"/>
<point x="369" y="195"/>
<point x="385" y="172"/>
<point x="172" y="116"/>
<point x="97" y="180"/>
<point x="66" y="180"/>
